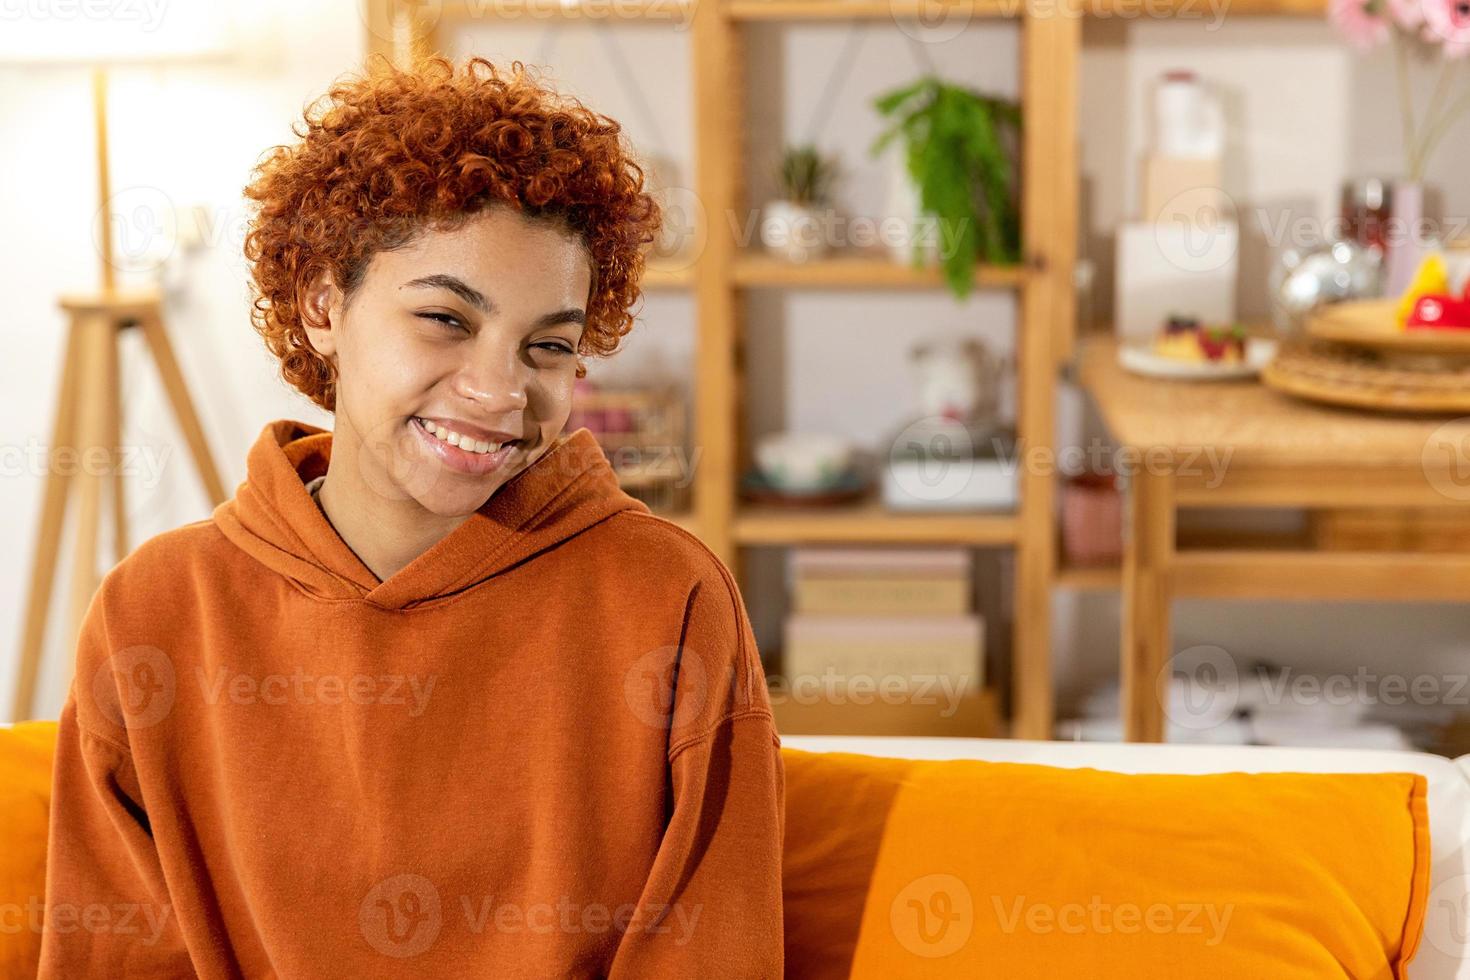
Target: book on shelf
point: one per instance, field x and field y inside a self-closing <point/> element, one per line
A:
<point x="880" y="581"/>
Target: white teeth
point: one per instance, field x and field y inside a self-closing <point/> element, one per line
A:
<point x="455" y="439"/>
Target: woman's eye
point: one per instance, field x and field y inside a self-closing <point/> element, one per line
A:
<point x="444" y="318"/>
<point x="558" y="348"/>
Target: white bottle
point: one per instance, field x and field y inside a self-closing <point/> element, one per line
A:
<point x="1189" y="121"/>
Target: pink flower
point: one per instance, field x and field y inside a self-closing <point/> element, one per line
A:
<point x="1361" y="22"/>
<point x="1408" y="14"/>
<point x="1448" y="22"/>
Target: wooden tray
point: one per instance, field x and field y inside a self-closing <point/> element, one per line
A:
<point x="1339" y="375"/>
<point x="1371" y="323"/>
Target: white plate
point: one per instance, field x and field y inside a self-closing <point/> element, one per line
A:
<point x="1140" y="359"/>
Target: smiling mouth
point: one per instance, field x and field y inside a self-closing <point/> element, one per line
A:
<point x="469" y="456"/>
<point x="466" y="443"/>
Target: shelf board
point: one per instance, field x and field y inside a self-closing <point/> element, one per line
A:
<point x="756" y="268"/>
<point x="871" y="523"/>
<point x="866" y="9"/>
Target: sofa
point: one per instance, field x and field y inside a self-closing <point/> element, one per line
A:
<point x="853" y="802"/>
<point x="1444" y="952"/>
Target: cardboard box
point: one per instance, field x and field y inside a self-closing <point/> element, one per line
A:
<point x="1176" y="189"/>
<point x="899" y="653"/>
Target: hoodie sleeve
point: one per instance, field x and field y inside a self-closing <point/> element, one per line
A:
<point x="712" y="904"/>
<point x="107" y="911"/>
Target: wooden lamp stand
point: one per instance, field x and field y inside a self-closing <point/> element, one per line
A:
<point x="88" y="426"/>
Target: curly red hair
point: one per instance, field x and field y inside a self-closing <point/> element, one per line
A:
<point x="393" y="152"/>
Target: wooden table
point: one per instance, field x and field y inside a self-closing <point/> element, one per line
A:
<point x="1240" y="444"/>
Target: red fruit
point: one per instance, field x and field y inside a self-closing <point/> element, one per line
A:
<point x="1213" y="345"/>
<point x="1440" y="312"/>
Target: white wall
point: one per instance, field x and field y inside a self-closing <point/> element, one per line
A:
<point x="1306" y="115"/>
<point x="181" y="135"/>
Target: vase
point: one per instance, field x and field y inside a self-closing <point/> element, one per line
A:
<point x="910" y="235"/>
<point x="1407" y="240"/>
<point x="793" y="231"/>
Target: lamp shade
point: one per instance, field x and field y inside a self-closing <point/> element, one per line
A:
<point x="103" y="32"/>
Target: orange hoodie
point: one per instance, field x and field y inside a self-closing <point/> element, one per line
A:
<point x="543" y="748"/>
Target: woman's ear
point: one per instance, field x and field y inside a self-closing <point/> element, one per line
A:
<point x="321" y="313"/>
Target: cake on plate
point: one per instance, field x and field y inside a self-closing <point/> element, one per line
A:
<point x="1183" y="338"/>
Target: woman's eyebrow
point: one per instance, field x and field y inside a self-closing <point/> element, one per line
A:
<point x="456" y="285"/>
<point x="477" y="299"/>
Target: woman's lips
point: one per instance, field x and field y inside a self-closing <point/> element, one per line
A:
<point x="462" y="460"/>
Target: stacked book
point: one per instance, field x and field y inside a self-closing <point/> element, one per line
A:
<point x="886" y="623"/>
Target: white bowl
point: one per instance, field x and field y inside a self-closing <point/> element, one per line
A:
<point x="802" y="460"/>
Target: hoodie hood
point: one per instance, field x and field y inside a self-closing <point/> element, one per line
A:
<point x="274" y="519"/>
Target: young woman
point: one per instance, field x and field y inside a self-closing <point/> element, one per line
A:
<point x="431" y="695"/>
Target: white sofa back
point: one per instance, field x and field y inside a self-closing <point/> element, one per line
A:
<point x="1444" y="953"/>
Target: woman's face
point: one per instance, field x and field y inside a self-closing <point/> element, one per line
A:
<point x="452" y="344"/>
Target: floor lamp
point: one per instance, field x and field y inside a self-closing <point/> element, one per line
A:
<point x="88" y="420"/>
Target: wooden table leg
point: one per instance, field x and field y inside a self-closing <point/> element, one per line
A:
<point x="1148" y="553"/>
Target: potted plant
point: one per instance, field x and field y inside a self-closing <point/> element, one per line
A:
<point x="791" y="226"/>
<point x="960" y="150"/>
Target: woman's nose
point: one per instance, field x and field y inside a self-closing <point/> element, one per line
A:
<point x="496" y="385"/>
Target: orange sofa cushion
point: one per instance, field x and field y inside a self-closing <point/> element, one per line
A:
<point x="26" y="752"/>
<point x="899" y="867"/>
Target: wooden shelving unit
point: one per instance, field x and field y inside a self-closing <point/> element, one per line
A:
<point x="1050" y="34"/>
